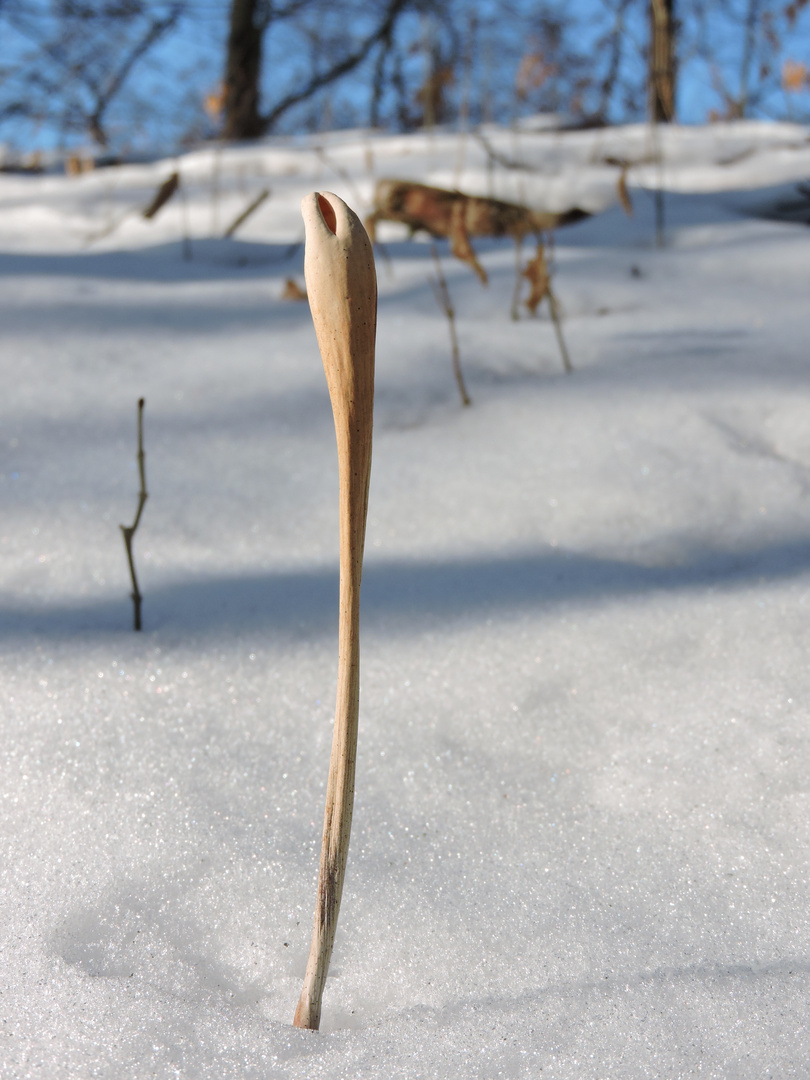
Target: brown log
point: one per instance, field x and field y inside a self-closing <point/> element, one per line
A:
<point x="443" y="213"/>
<point x="456" y="216"/>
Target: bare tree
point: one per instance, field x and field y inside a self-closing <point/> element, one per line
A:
<point x="251" y="20"/>
<point x="582" y="67"/>
<point x="109" y="69"/>
<point x="74" y="57"/>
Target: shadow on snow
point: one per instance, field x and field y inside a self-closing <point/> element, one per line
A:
<point x="404" y="596"/>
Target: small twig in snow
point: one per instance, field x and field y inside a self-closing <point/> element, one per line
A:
<point x="129" y="530"/>
<point x="555" y="318"/>
<point x="186" y="229"/>
<point x="442" y="294"/>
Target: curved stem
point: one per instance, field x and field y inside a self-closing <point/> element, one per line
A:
<point x="342" y="290"/>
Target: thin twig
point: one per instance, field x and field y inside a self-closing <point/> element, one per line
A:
<point x="555" y="318"/>
<point x="215" y="169"/>
<point x="129" y="530"/>
<point x="186" y="230"/>
<point x="386" y="254"/>
<point x="153" y="33"/>
<point x="660" y="233"/>
<point x="338" y="170"/>
<point x="286" y="254"/>
<point x="442" y="294"/>
<point x="496" y="157"/>
<point x="515" y="309"/>
<point x="240" y="219"/>
<point x="658" y="158"/>
<point x="111" y="226"/>
<point x="319" y="80"/>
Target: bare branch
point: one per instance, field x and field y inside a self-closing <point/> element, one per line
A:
<point x="338" y="69"/>
<point x="498" y="158"/>
<point x="153" y="33"/>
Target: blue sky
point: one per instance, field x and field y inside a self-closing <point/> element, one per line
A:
<point x="163" y="99"/>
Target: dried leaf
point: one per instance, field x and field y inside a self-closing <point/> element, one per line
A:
<point x="214" y="103"/>
<point x="795" y="76"/>
<point x="293" y="291"/>
<point x="460" y="241"/>
<point x="532" y="73"/>
<point x="538" y="276"/>
<point x="75" y="164"/>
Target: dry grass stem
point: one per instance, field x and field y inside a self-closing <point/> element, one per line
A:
<point x="442" y="294"/>
<point x="557" y="321"/>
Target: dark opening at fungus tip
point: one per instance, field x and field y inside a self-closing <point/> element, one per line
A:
<point x="327" y="213"/>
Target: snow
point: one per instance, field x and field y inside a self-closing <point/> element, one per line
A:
<point x="580" y="845"/>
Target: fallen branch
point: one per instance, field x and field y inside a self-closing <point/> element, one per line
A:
<point x="162" y="196"/>
<point x="129" y="530"/>
<point x="441" y="212"/>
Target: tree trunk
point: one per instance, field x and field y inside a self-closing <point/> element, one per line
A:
<point x="661" y="71"/>
<point x="242" y="70"/>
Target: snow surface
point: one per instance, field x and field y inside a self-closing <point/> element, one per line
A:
<point x="580" y="845"/>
